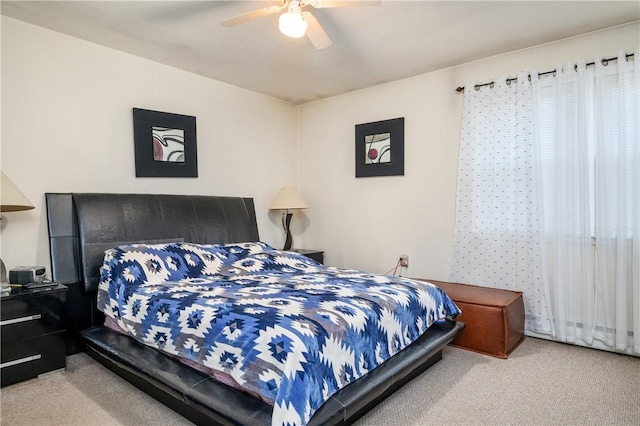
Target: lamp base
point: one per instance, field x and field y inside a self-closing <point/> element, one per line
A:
<point x="286" y="223"/>
<point x="5" y="287"/>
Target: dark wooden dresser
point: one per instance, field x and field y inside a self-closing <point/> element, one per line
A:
<point x="32" y="333"/>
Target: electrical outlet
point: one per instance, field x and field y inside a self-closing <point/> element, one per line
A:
<point x="404" y="260"/>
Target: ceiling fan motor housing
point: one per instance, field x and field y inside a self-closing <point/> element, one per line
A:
<point x="292" y="23"/>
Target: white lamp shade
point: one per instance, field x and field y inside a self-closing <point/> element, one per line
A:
<point x="11" y="198"/>
<point x="292" y="24"/>
<point x="288" y="199"/>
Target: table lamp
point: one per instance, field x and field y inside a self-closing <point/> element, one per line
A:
<point x="11" y="200"/>
<point x="288" y="199"/>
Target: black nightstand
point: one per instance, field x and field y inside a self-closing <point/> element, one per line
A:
<point x="316" y="255"/>
<point x="32" y="333"/>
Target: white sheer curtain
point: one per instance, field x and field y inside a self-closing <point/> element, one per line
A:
<point x="548" y="199"/>
<point x="564" y="150"/>
<point x="497" y="220"/>
<point x="617" y="203"/>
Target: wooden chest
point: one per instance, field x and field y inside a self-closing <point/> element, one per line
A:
<point x="494" y="318"/>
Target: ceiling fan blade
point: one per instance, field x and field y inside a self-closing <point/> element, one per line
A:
<point x="316" y="34"/>
<point x="323" y="4"/>
<point x="254" y="14"/>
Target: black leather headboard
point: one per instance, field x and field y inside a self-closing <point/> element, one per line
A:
<point x="83" y="226"/>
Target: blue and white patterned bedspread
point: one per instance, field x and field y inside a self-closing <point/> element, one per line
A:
<point x="282" y="325"/>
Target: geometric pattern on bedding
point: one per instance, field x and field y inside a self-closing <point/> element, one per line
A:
<point x="280" y="324"/>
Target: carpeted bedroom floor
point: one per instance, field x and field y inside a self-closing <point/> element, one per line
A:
<point x="542" y="383"/>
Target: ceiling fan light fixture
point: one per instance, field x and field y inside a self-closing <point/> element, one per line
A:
<point x="291" y="23"/>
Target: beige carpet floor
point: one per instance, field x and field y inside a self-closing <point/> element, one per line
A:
<point x="542" y="383"/>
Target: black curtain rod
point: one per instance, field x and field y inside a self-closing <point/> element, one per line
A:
<point x="509" y="80"/>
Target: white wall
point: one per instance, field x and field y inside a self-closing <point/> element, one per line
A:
<point x="67" y="127"/>
<point x="366" y="223"/>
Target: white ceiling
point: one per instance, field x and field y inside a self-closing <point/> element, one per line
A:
<point x="371" y="45"/>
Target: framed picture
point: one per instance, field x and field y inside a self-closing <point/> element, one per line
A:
<point x="165" y="144"/>
<point x="380" y="148"/>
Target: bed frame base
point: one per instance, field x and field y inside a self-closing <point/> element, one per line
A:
<point x="202" y="400"/>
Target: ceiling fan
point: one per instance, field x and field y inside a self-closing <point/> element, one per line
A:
<point x="296" y="22"/>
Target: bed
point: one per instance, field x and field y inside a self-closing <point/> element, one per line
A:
<point x="217" y="231"/>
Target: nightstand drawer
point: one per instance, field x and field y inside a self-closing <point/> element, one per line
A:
<point x="23" y="318"/>
<point x="27" y="358"/>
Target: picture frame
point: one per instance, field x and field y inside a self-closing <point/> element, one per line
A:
<point x="380" y="148"/>
<point x="165" y="144"/>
